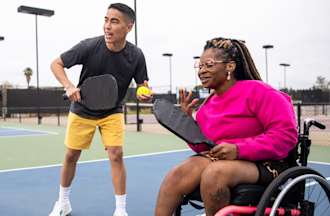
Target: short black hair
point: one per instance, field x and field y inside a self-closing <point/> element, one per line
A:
<point x="129" y="12"/>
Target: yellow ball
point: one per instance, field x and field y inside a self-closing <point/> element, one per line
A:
<point x="143" y="91"/>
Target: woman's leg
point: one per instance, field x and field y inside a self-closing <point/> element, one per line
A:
<point x="219" y="177"/>
<point x="181" y="180"/>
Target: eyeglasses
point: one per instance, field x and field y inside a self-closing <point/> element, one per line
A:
<point x="208" y="64"/>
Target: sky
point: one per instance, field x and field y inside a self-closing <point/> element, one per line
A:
<point x="299" y="30"/>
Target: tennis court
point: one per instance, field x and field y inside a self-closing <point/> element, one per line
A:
<point x="30" y="166"/>
<point x="11" y="131"/>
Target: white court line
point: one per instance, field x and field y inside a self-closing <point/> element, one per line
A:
<point x="314" y="182"/>
<point x="24" y="135"/>
<point x="129" y="156"/>
<point x="318" y="162"/>
<point x="28" y="130"/>
<point x="93" y="161"/>
<point x="322" y="163"/>
<point x="32" y="130"/>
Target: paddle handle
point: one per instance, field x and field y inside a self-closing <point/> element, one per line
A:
<point x="65" y="97"/>
<point x="209" y="143"/>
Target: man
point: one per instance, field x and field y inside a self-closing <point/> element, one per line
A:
<point x="107" y="54"/>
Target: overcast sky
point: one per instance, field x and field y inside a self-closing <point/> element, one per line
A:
<point x="298" y="29"/>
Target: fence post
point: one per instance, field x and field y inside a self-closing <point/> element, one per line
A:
<point x="299" y="115"/>
<point x="4" y="103"/>
<point x="58" y="117"/>
<point x="138" y="120"/>
<point x="4" y="113"/>
<point x="315" y="110"/>
<point x="125" y="113"/>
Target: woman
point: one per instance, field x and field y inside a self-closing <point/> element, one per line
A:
<point x="252" y="124"/>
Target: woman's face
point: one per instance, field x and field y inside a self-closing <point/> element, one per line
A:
<point x="212" y="71"/>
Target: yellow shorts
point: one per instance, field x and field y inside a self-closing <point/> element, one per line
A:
<point x="80" y="131"/>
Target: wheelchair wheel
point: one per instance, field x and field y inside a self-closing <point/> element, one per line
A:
<point x="297" y="191"/>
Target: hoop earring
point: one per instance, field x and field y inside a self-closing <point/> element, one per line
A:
<point x="228" y="75"/>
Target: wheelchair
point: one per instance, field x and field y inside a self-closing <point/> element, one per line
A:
<point x="299" y="190"/>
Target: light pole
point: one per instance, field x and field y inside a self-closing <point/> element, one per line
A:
<point x="4" y="103"/>
<point x="169" y="55"/>
<point x="285" y="65"/>
<point x="266" y="47"/>
<point x="36" y="12"/>
<point x="138" y="120"/>
<point x="196" y="58"/>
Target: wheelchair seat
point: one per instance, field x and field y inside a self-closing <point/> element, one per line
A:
<point x="247" y="194"/>
<point x="243" y="195"/>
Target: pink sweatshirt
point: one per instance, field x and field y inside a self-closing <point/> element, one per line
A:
<point x="258" y="119"/>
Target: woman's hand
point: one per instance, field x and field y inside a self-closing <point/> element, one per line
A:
<point x="187" y="104"/>
<point x="224" y="151"/>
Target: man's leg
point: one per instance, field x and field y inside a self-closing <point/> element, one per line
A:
<point x="219" y="177"/>
<point x="62" y="205"/>
<point x="181" y="180"/>
<point x="69" y="166"/>
<point x="118" y="171"/>
<point x="79" y="135"/>
<point x="112" y="133"/>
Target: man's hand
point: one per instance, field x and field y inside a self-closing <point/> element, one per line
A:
<point x="73" y="93"/>
<point x="224" y="151"/>
<point x="187" y="104"/>
<point x="145" y="97"/>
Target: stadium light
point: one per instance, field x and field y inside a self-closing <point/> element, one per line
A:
<point x="138" y="120"/>
<point x="196" y="58"/>
<point x="266" y="47"/>
<point x="284" y="65"/>
<point x="169" y="55"/>
<point x="37" y="12"/>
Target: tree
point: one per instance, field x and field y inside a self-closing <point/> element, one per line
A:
<point x="28" y="73"/>
<point x="6" y="85"/>
<point x="321" y="83"/>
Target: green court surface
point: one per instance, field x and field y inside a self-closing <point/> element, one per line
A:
<point x="43" y="150"/>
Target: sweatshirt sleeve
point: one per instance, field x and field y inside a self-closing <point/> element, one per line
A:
<point x="275" y="112"/>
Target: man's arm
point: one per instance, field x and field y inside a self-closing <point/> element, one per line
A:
<point x="57" y="68"/>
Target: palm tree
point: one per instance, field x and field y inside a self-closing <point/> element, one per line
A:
<point x="28" y="73"/>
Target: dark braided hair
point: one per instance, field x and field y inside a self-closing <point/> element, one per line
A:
<point x="235" y="50"/>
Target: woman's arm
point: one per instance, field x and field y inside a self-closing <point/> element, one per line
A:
<point x="275" y="112"/>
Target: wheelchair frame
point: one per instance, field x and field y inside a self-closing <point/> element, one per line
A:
<point x="296" y="176"/>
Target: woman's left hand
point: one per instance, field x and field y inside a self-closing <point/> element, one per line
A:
<point x="224" y="151"/>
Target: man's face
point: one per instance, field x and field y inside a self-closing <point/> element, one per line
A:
<point x="116" y="26"/>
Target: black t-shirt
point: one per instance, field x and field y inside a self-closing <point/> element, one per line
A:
<point x="97" y="59"/>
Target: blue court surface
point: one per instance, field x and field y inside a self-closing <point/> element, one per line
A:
<point x="32" y="191"/>
<point x="15" y="132"/>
